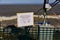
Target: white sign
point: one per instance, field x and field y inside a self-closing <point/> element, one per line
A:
<point x="25" y="19"/>
<point x="48" y="6"/>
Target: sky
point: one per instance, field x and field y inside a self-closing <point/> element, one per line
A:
<point x="23" y="1"/>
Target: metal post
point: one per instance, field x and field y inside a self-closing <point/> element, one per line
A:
<point x="45" y="10"/>
<point x="1" y="29"/>
<point x="44" y="18"/>
<point x="38" y="32"/>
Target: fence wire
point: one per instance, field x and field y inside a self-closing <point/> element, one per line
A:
<point x="35" y="33"/>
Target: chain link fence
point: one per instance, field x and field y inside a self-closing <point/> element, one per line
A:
<point x="33" y="33"/>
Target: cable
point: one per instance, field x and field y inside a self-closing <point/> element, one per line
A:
<point x="39" y="10"/>
<point x="53" y="2"/>
<point x="56" y="2"/>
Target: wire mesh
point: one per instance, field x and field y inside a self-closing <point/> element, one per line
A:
<point x="35" y="33"/>
<point x="49" y="33"/>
